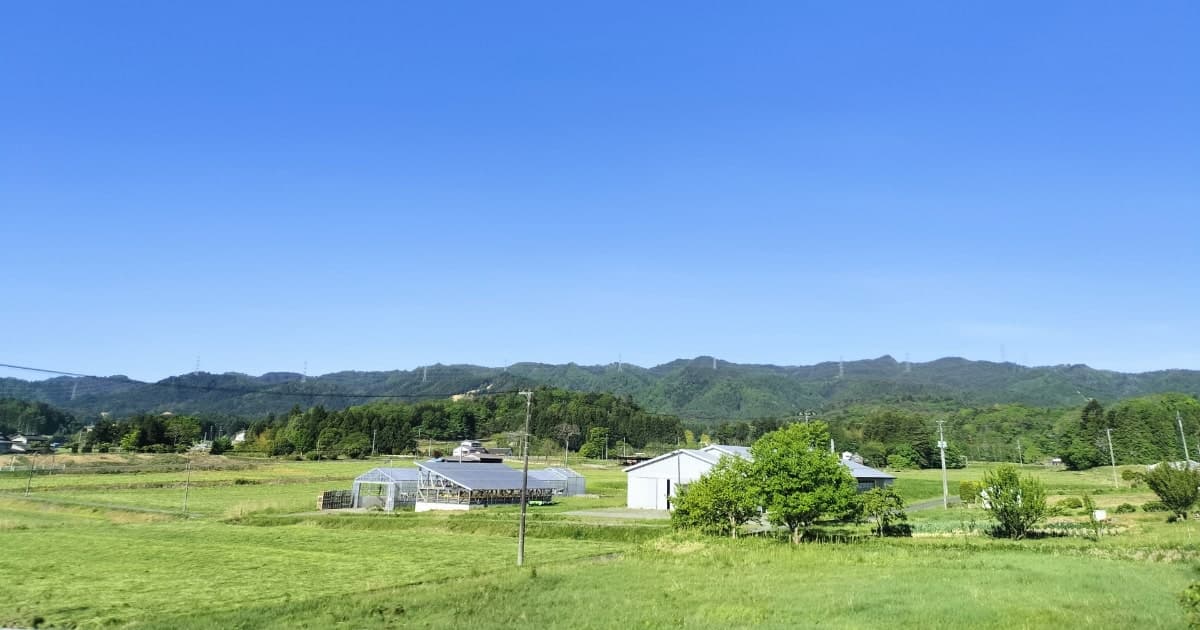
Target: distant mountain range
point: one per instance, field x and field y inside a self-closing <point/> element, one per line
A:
<point x="701" y="389"/>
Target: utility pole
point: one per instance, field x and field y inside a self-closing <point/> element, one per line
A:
<point x="1020" y="455"/>
<point x="942" y="449"/>
<point x="373" y="433"/>
<point x="1186" y="459"/>
<point x="524" y="481"/>
<point x="32" y="466"/>
<point x="1112" y="458"/>
<point x="187" y="483"/>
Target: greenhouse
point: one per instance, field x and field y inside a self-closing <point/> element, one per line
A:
<point x="566" y="482"/>
<point x="449" y="485"/>
<point x="386" y="488"/>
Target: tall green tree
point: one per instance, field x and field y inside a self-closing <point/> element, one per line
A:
<point x="801" y="480"/>
<point x="1080" y="442"/>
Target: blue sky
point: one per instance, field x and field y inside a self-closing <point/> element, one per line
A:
<point x="379" y="186"/>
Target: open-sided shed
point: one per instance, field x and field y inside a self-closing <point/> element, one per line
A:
<point x="565" y="481"/>
<point x="449" y="485"/>
<point x="385" y="487"/>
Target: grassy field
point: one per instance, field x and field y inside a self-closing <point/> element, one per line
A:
<point x="113" y="550"/>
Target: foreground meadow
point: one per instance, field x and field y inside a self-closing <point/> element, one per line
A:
<point x="113" y="550"/>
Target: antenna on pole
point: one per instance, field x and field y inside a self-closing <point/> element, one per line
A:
<point x="619" y="362"/>
<point x="74" y="386"/>
<point x="942" y="450"/>
<point x="197" y="370"/>
<point x="714" y="363"/>
<point x="907" y="364"/>
<point x="841" y="368"/>
<point x="424" y="373"/>
<point x="304" y="374"/>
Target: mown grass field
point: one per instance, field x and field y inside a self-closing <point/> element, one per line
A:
<point x="113" y="550"/>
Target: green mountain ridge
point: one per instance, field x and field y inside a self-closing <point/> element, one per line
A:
<point x="691" y="388"/>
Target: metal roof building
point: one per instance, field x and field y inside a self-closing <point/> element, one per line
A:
<point x="566" y="482"/>
<point x="385" y="487"/>
<point x="450" y="485"/>
<point x="653" y="483"/>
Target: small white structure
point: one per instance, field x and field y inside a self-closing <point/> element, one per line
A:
<point x="652" y="483"/>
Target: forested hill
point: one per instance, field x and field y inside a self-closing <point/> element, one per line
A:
<point x="699" y="389"/>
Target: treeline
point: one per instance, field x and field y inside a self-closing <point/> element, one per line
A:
<point x="557" y="416"/>
<point x="1144" y="430"/>
<point x="28" y="417"/>
<point x="145" y="433"/>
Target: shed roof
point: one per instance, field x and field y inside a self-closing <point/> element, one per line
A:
<point x="554" y="474"/>
<point x="728" y="449"/>
<point x="388" y="474"/>
<point x="861" y="471"/>
<point x="480" y="475"/>
<point x="704" y="456"/>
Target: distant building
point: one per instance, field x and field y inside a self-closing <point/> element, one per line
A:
<point x="652" y="483"/>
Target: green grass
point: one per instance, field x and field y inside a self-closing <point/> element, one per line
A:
<point x="111" y="550"/>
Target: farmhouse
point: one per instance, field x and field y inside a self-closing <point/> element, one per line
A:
<point x="652" y="483"/>
<point x="22" y="443"/>
<point x="449" y="485"/>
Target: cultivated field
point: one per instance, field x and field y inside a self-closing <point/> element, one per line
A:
<point x="109" y="546"/>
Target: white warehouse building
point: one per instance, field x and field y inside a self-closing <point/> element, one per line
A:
<point x="652" y="483"/>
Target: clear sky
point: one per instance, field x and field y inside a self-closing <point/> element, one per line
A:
<point x="380" y="185"/>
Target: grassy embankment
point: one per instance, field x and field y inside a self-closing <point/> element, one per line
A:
<point x="252" y="554"/>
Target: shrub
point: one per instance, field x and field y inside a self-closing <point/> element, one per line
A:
<point x="897" y="461"/>
<point x="969" y="491"/>
<point x="1177" y="487"/>
<point x="1125" y="508"/>
<point x="1134" y="477"/>
<point x="1190" y="598"/>
<point x="1154" y="506"/>
<point x="1016" y="501"/>
<point x="1070" y="503"/>
<point x="886" y="506"/>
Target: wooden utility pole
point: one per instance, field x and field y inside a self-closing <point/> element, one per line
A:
<point x="187" y="484"/>
<point x="524" y="481"/>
